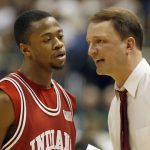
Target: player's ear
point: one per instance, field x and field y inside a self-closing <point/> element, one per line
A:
<point x="130" y="44"/>
<point x="25" y="49"/>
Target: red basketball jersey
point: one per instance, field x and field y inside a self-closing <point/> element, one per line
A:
<point x="44" y="117"/>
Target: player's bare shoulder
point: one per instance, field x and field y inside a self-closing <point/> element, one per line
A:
<point x="6" y="114"/>
<point x="6" y="107"/>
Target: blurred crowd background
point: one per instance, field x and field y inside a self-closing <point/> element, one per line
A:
<point x="93" y="92"/>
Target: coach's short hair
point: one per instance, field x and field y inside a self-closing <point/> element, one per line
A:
<point x="124" y="21"/>
<point x="23" y="23"/>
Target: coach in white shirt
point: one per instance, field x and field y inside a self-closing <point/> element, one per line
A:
<point x="115" y="38"/>
<point x="138" y="97"/>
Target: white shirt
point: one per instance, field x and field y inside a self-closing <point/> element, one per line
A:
<point x="138" y="87"/>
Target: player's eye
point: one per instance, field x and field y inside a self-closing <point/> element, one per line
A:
<point x="60" y="37"/>
<point x="47" y="39"/>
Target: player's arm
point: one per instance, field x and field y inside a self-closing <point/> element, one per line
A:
<point x="6" y="115"/>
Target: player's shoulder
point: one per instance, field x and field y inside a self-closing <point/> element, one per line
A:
<point x="5" y="100"/>
<point x="6" y="107"/>
<point x="6" y="114"/>
<point x="3" y="95"/>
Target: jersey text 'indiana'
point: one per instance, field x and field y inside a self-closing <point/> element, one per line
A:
<point x="53" y="140"/>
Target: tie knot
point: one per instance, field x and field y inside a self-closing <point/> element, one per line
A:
<point x="124" y="92"/>
<point x="123" y="95"/>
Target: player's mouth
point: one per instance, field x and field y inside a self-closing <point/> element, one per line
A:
<point x="61" y="55"/>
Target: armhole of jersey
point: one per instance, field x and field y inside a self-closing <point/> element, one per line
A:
<point x="73" y="100"/>
<point x="66" y="95"/>
<point x="15" y="99"/>
<point x="22" y="118"/>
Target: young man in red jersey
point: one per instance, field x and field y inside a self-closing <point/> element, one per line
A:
<point x="35" y="111"/>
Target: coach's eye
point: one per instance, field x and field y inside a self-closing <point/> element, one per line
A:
<point x="99" y="41"/>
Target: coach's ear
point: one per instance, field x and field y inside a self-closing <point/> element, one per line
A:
<point x="25" y="49"/>
<point x="130" y="44"/>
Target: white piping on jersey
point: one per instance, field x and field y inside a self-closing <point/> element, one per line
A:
<point x="67" y="98"/>
<point x="22" y="119"/>
<point x="40" y="103"/>
<point x="47" y="110"/>
<point x="57" y="94"/>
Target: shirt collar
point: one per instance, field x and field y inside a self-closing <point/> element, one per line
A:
<point x="133" y="80"/>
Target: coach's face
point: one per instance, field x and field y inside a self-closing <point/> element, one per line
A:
<point x="106" y="48"/>
<point x="46" y="43"/>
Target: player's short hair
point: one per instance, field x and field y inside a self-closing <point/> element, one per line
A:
<point x="124" y="21"/>
<point x="23" y="23"/>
